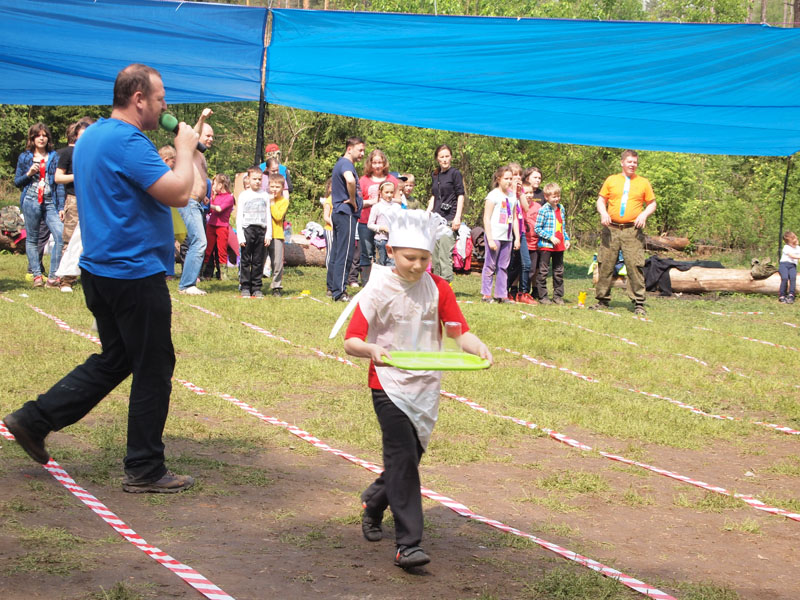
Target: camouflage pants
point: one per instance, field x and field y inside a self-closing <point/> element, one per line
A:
<point x="631" y="241"/>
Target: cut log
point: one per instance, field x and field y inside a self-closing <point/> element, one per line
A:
<point x="699" y="280"/>
<point x="302" y="254"/>
<point x="665" y="242"/>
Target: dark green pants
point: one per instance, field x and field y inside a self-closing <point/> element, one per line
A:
<point x="631" y="241"/>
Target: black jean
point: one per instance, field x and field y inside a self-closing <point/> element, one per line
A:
<point x="134" y="318"/>
<point x="398" y="485"/>
<point x="252" y="257"/>
<point x="545" y="257"/>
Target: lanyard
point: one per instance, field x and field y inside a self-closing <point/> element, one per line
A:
<point x="42" y="173"/>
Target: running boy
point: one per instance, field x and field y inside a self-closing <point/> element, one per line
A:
<point x="406" y="402"/>
<point x="279" y="204"/>
<point x="254" y="232"/>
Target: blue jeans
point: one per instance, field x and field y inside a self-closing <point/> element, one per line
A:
<point x="525" y="257"/>
<point x="383" y="256"/>
<point x="366" y="244"/>
<point x="788" y="273"/>
<point x="34" y="213"/>
<point x="192" y="215"/>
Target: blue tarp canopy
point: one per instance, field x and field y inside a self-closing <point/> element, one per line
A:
<point x="70" y="51"/>
<point x="717" y="89"/>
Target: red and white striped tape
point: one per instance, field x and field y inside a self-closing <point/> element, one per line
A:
<point x="616" y="337"/>
<point x="791" y="325"/>
<point x="613" y="314"/>
<point x="749" y="339"/>
<point x="185" y="572"/>
<point x="750" y="500"/>
<point x="737" y="312"/>
<point x="689" y="407"/>
<point x="453" y="505"/>
<point x="461" y="509"/>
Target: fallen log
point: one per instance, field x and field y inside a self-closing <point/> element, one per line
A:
<point x="300" y="253"/>
<point x="666" y="242"/>
<point x="699" y="280"/>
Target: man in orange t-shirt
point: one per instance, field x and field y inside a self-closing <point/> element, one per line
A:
<point x="625" y="201"/>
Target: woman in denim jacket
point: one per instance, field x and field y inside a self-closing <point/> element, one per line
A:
<point x="40" y="199"/>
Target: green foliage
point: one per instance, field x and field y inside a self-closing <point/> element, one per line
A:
<point x="731" y="202"/>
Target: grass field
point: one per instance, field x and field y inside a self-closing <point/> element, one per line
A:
<point x="256" y="497"/>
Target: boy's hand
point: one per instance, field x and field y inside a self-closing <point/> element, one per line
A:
<point x="493" y="246"/>
<point x="567" y="244"/>
<point x="242" y="244"/>
<point x="484" y="352"/>
<point x="267" y="241"/>
<point x="516" y="244"/>
<point x="377" y="353"/>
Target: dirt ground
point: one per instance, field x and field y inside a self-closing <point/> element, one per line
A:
<point x="295" y="533"/>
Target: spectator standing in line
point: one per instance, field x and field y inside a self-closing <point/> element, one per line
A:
<point x="41" y="199"/>
<point x="254" y="233"/>
<point x="447" y="200"/>
<point x="218" y="224"/>
<point x="551" y="230"/>
<point x="278" y="205"/>
<point x="123" y="185"/>
<point x="64" y="176"/>
<point x="502" y="235"/>
<point x="625" y="202"/>
<point x="376" y="171"/>
<point x="347" y="202"/>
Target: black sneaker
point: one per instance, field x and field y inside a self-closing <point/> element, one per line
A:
<point x="343" y="298"/>
<point x="408" y="557"/>
<point x="782" y="300"/>
<point x="168" y="484"/>
<point x="277" y="292"/>
<point x="789" y="299"/>
<point x="28" y="441"/>
<point x="639" y="311"/>
<point x="371" y="527"/>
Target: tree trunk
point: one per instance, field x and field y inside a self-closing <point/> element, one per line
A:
<point x="763" y="11"/>
<point x="796" y="14"/>
<point x="665" y="242"/>
<point x="302" y="254"/>
<point x="698" y="280"/>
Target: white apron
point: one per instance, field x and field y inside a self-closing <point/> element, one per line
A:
<point x="385" y="300"/>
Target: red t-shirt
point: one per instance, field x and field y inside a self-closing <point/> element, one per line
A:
<point x="448" y="311"/>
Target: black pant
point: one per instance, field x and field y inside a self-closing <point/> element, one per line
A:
<point x="133" y="319"/>
<point x="252" y="257"/>
<point x="344" y="240"/>
<point x="558" y="273"/>
<point x="398" y="485"/>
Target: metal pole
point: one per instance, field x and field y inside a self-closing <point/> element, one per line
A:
<point x="263" y="107"/>
<point x="783" y="201"/>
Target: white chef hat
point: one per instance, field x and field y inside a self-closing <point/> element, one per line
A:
<point x="415" y="228"/>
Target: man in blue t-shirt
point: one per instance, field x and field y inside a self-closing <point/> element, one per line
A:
<point x="347" y="203"/>
<point x="124" y="192"/>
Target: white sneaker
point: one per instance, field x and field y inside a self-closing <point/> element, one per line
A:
<point x="67" y="289"/>
<point x="193" y="291"/>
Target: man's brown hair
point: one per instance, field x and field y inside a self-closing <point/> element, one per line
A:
<point x="133" y="78"/>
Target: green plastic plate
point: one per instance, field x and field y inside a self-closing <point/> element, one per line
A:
<point x="436" y="361"/>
